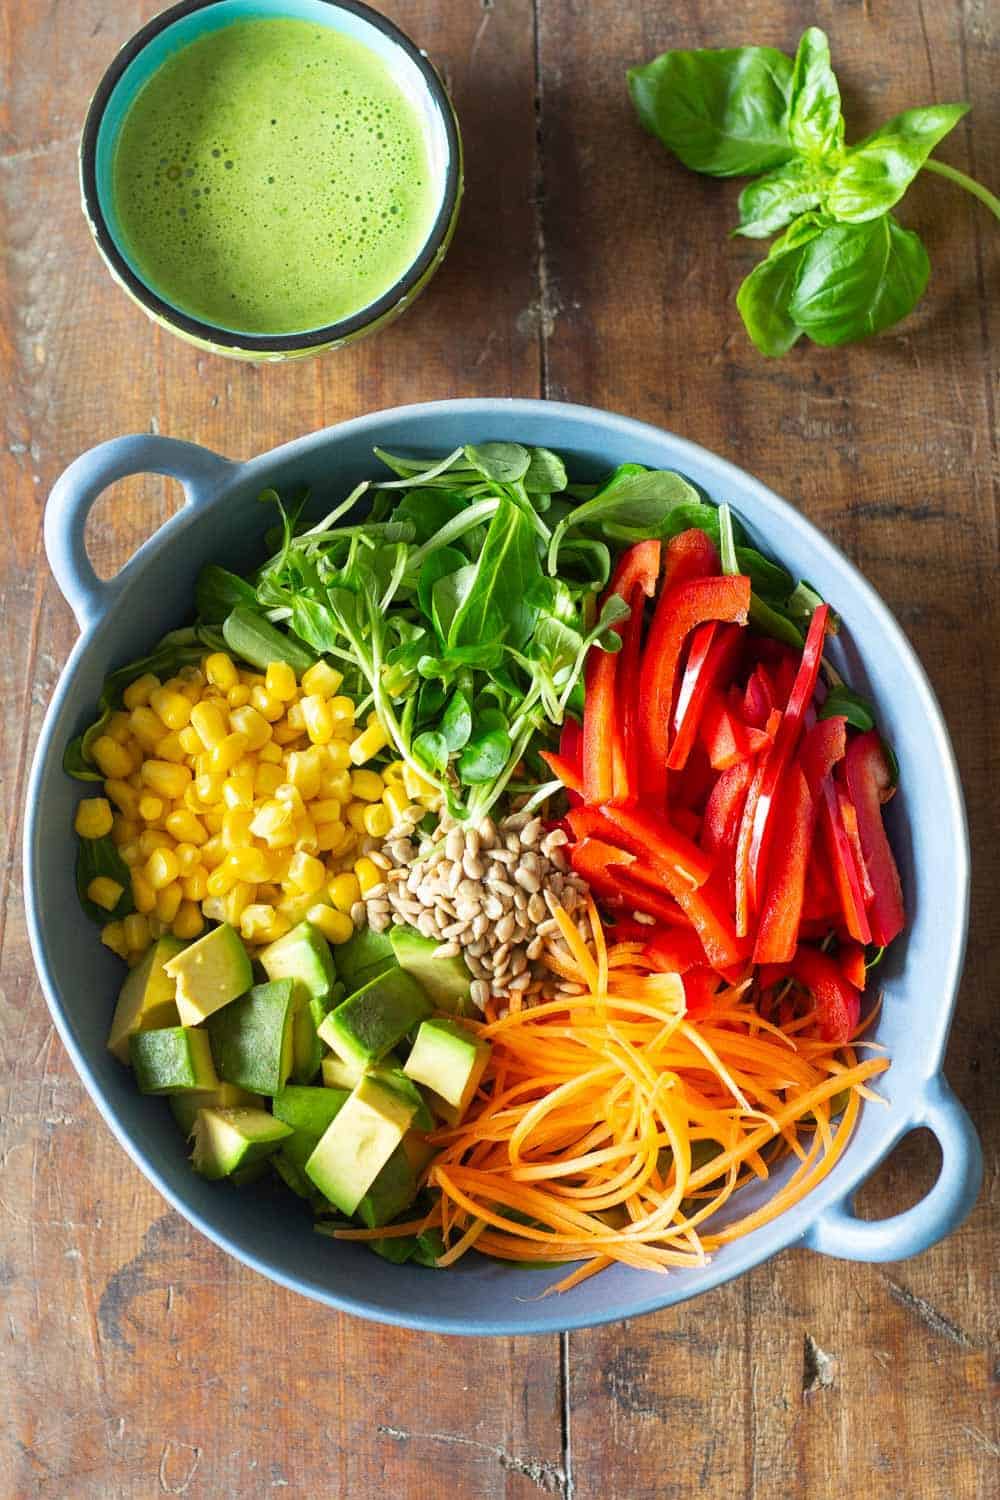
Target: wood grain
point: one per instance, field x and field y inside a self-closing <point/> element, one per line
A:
<point x="139" y="1361"/>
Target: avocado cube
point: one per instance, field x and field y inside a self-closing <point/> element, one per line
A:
<point x="420" y="1151"/>
<point x="252" y="1038"/>
<point x="394" y="1189"/>
<point x="304" y="956"/>
<point x="307" y="1048"/>
<point x="184" y="1107"/>
<point x="310" y="1110"/>
<point x="364" y="1027"/>
<point x="449" y="1060"/>
<point x="395" y="1078"/>
<point x="146" y="999"/>
<point x="289" y="1162"/>
<point x="363" y="957"/>
<point x="172" y="1060"/>
<point x="209" y="974"/>
<point x="338" y="1074"/>
<point x="226" y="1140"/>
<point x="358" y="1143"/>
<point x="445" y="981"/>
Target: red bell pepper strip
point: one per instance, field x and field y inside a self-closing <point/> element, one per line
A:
<point x="711" y="656"/>
<point x="781" y="913"/>
<point x="691" y="787"/>
<point x="869" y="784"/>
<point x="823" y="746"/>
<point x="564" y="770"/>
<point x="627" y="691"/>
<point x="724" y="809"/>
<point x="622" y="881"/>
<point x="604" y="771"/>
<point x="653" y="839"/>
<point x="571" y="742"/>
<point x="758" y="697"/>
<point x="845" y="872"/>
<point x="821" y="901"/>
<point x="849" y="819"/>
<point x="678" y="611"/>
<point x="779" y="755"/>
<point x="700" y="986"/>
<point x="690" y="554"/>
<point x="727" y="740"/>
<point x="851" y="958"/>
<point x="838" y="1003"/>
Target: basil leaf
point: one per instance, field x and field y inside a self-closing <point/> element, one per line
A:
<point x="722" y="112"/>
<point x="774" y="200"/>
<point x="504" y="463"/>
<point x="100" y="857"/>
<point x="507" y="576"/>
<point x="764" y="300"/>
<point x="436" y="565"/>
<point x="456" y="722"/>
<point x="815" y="122"/>
<point x="431" y="750"/>
<point x="854" y="280"/>
<point x="545" y="474"/>
<point x="877" y="171"/>
<point x="842" y="702"/>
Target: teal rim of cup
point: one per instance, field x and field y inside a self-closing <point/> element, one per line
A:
<point x="174" y="29"/>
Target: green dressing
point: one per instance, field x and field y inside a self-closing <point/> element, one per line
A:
<point x="272" y="178"/>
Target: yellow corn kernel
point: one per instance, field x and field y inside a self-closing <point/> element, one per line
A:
<point x="105" y="892"/>
<point x="395" y="801"/>
<point x="130" y="853"/>
<point x="369" y="875"/>
<point x="251" y="678"/>
<point x="377" y="820"/>
<point x="113" y="937"/>
<point x="368" y="785"/>
<point x="262" y="924"/>
<point x="294" y="717"/>
<point x="111" y="758"/>
<point x="304" y="771"/>
<point x="150" y="807"/>
<point x="135" y="781"/>
<point x="212" y="818"/>
<point x="238" y="792"/>
<point x="189" y="740"/>
<point x="195" y="885"/>
<point x="213" y="852"/>
<point x="210" y="787"/>
<point x="305" y="836"/>
<point x="151" y="839"/>
<point x="165" y="779"/>
<point x="173" y="708"/>
<point x="368" y="744"/>
<point x="344" y="891"/>
<point x="223" y="756"/>
<point x="332" y="837"/>
<point x="268" y="892"/>
<point x="317" y="718"/>
<point x="238" y="696"/>
<point x="270" y="754"/>
<point x="335" y="926"/>
<point x="221" y="880"/>
<point x="325" y="810"/>
<point x="118" y="727"/>
<point x="125" y="797"/>
<point x="236" y="901"/>
<point x="279" y="681"/>
<point x="321" y="678"/>
<point x="252" y="725"/>
<point x="93" y="818"/>
<point x="342" y="713"/>
<point x="294" y="904"/>
<point x="284" y="733"/>
<point x="392" y="774"/>
<point x="356" y="816"/>
<point x="142" y="892"/>
<point x="161" y="867"/>
<point x="336" y="784"/>
<point x="155" y="926"/>
<point x="168" y="902"/>
<point x="209" y="723"/>
<point x="136" y="932"/>
<point x="268" y="779"/>
<point x="191" y="683"/>
<point x="337" y="756"/>
<point x="185" y="827"/>
<point x="188" y="922"/>
<point x="272" y="818"/>
<point x="236" y="828"/>
<point x="137" y="693"/>
<point x="418" y="786"/>
<point x="251" y="865"/>
<point x="306" y="873"/>
<point x="266" y="704"/>
<point x="292" y="798"/>
<point x="170" y="748"/>
<point x="123" y="830"/>
<point x="220" y="670"/>
<point x="212" y="909"/>
<point x="188" y="857"/>
<point x="146" y="727"/>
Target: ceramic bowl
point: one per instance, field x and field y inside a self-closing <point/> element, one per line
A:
<point x="221" y="520"/>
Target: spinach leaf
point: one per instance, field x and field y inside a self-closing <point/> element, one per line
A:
<point x="507" y="575"/>
<point x="545" y="474"/>
<point x="857" y="279"/>
<point x="456" y="722"/>
<point x="815" y="123"/>
<point x="642" y="502"/>
<point x="486" y="754"/>
<point x="428" y="510"/>
<point x="770" y="621"/>
<point x="431" y="750"/>
<point x="100" y="857"/>
<point x="448" y="596"/>
<point x="504" y="463"/>
<point x="721" y="112"/>
<point x="766" y="577"/>
<point x="774" y="200"/>
<point x="841" y="701"/>
<point x="877" y="171"/>
<point x="436" y="565"/>
<point x="218" y="592"/>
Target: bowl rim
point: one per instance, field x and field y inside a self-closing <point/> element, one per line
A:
<point x="790" y="1227"/>
<point x="270" y="343"/>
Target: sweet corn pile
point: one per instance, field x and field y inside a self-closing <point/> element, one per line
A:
<point x="242" y="797"/>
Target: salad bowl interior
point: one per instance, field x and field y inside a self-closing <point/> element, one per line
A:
<point x="224" y="522"/>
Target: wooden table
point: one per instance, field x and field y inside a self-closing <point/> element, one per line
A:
<point x="141" y="1361"/>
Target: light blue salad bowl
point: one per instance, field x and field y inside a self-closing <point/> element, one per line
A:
<point x="221" y="520"/>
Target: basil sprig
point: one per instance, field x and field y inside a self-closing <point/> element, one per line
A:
<point x="844" y="268"/>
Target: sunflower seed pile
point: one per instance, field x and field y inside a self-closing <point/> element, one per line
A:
<point x="487" y="892"/>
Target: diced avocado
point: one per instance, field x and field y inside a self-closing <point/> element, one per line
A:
<point x="419" y="1150"/>
<point x="363" y="957"/>
<point x="146" y="1001"/>
<point x="251" y="1171"/>
<point x="252" y="1038"/>
<point x="228" y="1139"/>
<point x="448" y="1059"/>
<point x="394" y="1189"/>
<point x="184" y="1107"/>
<point x="304" y="956"/>
<point x="172" y="1060"/>
<point x="311" y="1110"/>
<point x="359" y="1142"/>
<point x="289" y="1161"/>
<point x="445" y="981"/>
<point x="395" y="1078"/>
<point x="209" y="974"/>
<point x="370" y="1022"/>
<point x="338" y="1074"/>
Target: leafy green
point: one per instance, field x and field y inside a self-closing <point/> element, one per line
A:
<point x="507" y="575"/>
<point x="842" y="701"/>
<point x="545" y="474"/>
<point x="100" y="857"/>
<point x="753" y="111"/>
<point x="640" y="502"/>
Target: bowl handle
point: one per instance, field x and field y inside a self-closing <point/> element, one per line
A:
<point x="837" y="1231"/>
<point x="199" y="470"/>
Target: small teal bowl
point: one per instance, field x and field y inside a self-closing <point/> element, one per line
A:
<point x="221" y="520"/>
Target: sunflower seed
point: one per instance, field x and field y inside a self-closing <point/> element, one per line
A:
<point x="535" y="948"/>
<point x="446" y="950"/>
<point x="358" y="913"/>
<point x="479" y="993"/>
